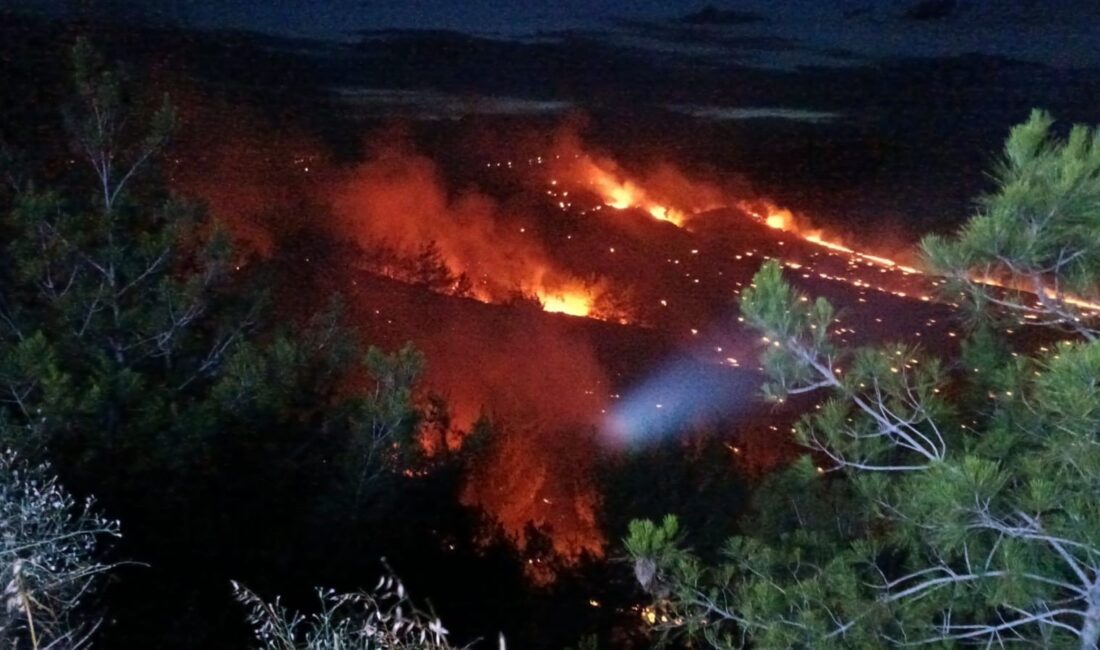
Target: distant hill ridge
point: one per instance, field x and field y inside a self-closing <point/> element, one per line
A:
<point x="741" y="12"/>
<point x="999" y="11"/>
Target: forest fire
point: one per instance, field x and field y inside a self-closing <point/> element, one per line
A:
<point x="784" y="220"/>
<point x="559" y="250"/>
<point x="668" y="195"/>
<point x="413" y="329"/>
<point x="663" y="191"/>
<point x="467" y="244"/>
<point x="619" y="191"/>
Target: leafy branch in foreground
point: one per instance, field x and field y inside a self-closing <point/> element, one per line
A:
<point x="885" y="403"/>
<point x="47" y="559"/>
<point x="1031" y="253"/>
<point x="944" y="531"/>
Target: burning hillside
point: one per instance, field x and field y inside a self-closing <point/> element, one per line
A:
<point x="481" y="314"/>
<point x="482" y="276"/>
<point x="658" y="251"/>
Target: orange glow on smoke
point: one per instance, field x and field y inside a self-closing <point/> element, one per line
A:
<point x="459" y="241"/>
<point x="668" y="195"/>
<point x="455" y="242"/>
<point x="541" y="481"/>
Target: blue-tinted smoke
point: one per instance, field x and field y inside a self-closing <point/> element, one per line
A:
<point x="684" y="393"/>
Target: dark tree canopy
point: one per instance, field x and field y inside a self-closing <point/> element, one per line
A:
<point x="147" y="360"/>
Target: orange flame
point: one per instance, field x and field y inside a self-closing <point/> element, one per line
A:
<point x="621" y="194"/>
<point x="780" y="220"/>
<point x="571" y="302"/>
<point x="783" y="219"/>
<point x="625" y="194"/>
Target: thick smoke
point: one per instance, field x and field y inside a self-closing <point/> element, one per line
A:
<point x="398" y="200"/>
<point x="541" y="386"/>
<point x="535" y="378"/>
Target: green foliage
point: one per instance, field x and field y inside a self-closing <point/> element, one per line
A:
<point x="385" y="421"/>
<point x="935" y="508"/>
<point x="143" y="356"/>
<point x="653" y="540"/>
<point x="1036" y="233"/>
<point x="785" y="315"/>
<point x="129" y="330"/>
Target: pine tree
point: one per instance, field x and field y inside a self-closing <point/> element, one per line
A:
<point x="430" y="270"/>
<point x="144" y="357"/>
<point x="131" y="330"/>
<point x="941" y="503"/>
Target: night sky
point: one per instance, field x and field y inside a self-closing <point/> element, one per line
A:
<point x="1059" y="33"/>
<point x="331" y="18"/>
